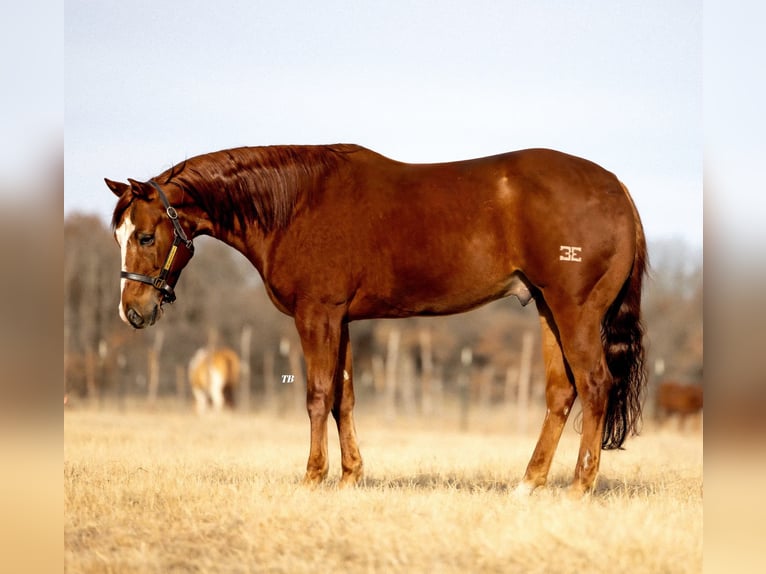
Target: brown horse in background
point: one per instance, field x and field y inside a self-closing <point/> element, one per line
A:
<point x="340" y="233"/>
<point x="673" y="398"/>
<point x="214" y="377"/>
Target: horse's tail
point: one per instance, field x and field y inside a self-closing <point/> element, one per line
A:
<point x="622" y="333"/>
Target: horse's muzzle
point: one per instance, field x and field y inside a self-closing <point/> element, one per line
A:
<point x="139" y="321"/>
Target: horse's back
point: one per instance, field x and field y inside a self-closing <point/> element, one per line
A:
<point x="397" y="239"/>
<point x="520" y="197"/>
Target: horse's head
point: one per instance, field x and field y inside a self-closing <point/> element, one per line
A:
<point x="154" y="249"/>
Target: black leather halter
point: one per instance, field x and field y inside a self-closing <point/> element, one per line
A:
<point x="160" y="282"/>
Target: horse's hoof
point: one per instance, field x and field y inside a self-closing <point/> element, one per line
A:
<point x="350" y="480"/>
<point x="312" y="481"/>
<point x="576" y="492"/>
<point x="523" y="490"/>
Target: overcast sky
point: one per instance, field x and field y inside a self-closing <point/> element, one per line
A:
<point x="149" y="84"/>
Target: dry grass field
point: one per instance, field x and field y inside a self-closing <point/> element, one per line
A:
<point x="167" y="491"/>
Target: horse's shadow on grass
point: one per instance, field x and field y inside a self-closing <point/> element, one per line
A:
<point x="436" y="481"/>
<point x="423" y="482"/>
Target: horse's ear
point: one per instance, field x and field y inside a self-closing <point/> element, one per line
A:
<point x="141" y="189"/>
<point x="117" y="187"/>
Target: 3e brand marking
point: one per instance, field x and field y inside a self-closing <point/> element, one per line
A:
<point x="570" y="253"/>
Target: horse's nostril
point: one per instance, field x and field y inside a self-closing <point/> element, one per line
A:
<point x="135" y="318"/>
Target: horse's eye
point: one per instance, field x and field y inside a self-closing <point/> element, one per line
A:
<point x="146" y="240"/>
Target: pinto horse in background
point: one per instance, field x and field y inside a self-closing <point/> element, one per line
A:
<point x="214" y="377"/>
<point x="340" y="233"/>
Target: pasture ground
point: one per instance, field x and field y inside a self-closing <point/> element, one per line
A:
<point x="163" y="490"/>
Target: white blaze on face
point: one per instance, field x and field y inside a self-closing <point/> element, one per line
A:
<point x="123" y="233"/>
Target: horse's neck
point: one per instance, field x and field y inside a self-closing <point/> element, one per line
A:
<point x="268" y="212"/>
<point x="250" y="240"/>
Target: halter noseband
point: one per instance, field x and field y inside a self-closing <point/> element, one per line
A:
<point x="179" y="238"/>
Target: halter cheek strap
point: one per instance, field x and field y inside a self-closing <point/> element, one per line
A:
<point x="179" y="239"/>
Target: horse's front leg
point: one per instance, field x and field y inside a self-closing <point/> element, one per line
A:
<point x="343" y="412"/>
<point x="320" y="332"/>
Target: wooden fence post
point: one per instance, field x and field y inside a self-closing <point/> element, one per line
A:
<point x="244" y="369"/>
<point x="427" y="371"/>
<point x="90" y="376"/>
<point x="122" y="381"/>
<point x="525" y="372"/>
<point x="378" y="375"/>
<point x="407" y="384"/>
<point x="299" y="385"/>
<point x="153" y="378"/>
<point x="269" y="381"/>
<point x="463" y="385"/>
<point x="511" y="382"/>
<point x="181" y="385"/>
<point x="486" y="384"/>
<point x="392" y="362"/>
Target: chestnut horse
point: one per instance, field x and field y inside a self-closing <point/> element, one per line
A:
<point x="214" y="377"/>
<point x="341" y="233"/>
<point x="676" y="398"/>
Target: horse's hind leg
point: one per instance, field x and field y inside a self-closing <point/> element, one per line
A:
<point x="215" y="377"/>
<point x="200" y="400"/>
<point x="580" y="336"/>
<point x="343" y="413"/>
<point x="559" y="395"/>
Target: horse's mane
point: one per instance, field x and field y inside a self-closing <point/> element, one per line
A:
<point x="252" y="184"/>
